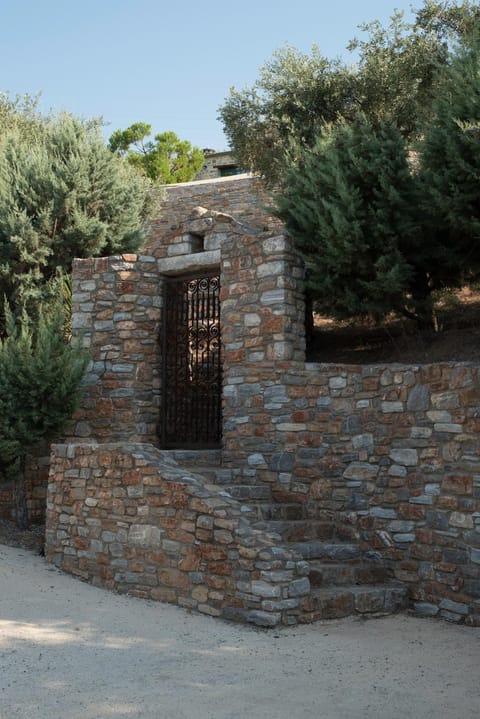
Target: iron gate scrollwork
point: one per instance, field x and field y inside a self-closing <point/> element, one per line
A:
<point x="191" y="414"/>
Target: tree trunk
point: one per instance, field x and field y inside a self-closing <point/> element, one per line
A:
<point x="423" y="303"/>
<point x="21" y="510"/>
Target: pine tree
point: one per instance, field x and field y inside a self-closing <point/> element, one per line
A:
<point x="40" y="388"/>
<point x="166" y="159"/>
<point x="350" y="205"/>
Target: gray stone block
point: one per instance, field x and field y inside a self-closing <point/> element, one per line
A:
<point x="263" y="619"/>
<point x="299" y="587"/>
<point x="425" y="609"/>
<point x="418" y="399"/>
<point x="456" y="607"/>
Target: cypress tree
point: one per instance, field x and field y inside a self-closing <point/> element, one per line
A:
<point x="350" y="205"/>
<point x="62" y="195"/>
<point x="40" y="388"/>
<point x="450" y="172"/>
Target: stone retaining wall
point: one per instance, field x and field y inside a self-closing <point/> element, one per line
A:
<point x="391" y="454"/>
<point x="126" y="517"/>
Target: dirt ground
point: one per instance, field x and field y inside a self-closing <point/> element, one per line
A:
<point x="396" y="340"/>
<point x="71" y="651"/>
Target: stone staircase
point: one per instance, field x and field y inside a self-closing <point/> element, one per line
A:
<point x="344" y="580"/>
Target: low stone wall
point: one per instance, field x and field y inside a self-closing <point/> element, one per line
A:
<point x="391" y="454"/>
<point x="127" y="518"/>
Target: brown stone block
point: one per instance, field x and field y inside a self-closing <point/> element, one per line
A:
<point x="163" y="594"/>
<point x="104" y="459"/>
<point x="160" y="559"/>
<point x="215" y="582"/>
<point x="233" y="356"/>
<point x="174" y="578"/>
<point x="204" y="535"/>
<point x="445" y="502"/>
<point x="424" y="536"/>
<point x="179" y="500"/>
<point x="132" y="477"/>
<point x="211" y="552"/>
<point x="284" y="495"/>
<point x="184" y="537"/>
<point x="422" y="552"/>
<point x="190" y="563"/>
<point x="200" y="505"/>
<point x="158" y="500"/>
<point x="411" y="511"/>
<point x="223" y="568"/>
<point x="321" y="489"/>
<point x="458" y="484"/>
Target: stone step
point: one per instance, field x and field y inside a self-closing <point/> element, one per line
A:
<point x="195" y="458"/>
<point x="295" y="531"/>
<point x="325" y="574"/>
<point x="328" y="551"/>
<point x="337" y="602"/>
<point x="249" y="492"/>
<point x="285" y="512"/>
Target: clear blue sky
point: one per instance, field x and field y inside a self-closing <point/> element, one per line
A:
<point x="167" y="63"/>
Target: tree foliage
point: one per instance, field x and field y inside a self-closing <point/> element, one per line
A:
<point x="62" y="195"/>
<point x="349" y="206"/>
<point x="380" y="229"/>
<point x="165" y="159"/>
<point x="40" y="387"/>
<point x="450" y="169"/>
<point x="394" y="79"/>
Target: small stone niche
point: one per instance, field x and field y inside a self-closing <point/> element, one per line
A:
<point x="197" y="242"/>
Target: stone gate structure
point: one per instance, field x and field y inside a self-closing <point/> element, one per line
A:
<point x="333" y="490"/>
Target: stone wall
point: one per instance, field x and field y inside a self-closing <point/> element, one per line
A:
<point x="216" y="164"/>
<point x="387" y="456"/>
<point x="244" y="198"/>
<point x="391" y="454"/>
<point x="116" y="314"/>
<point x="126" y="517"/>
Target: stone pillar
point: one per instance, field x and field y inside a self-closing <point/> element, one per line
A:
<point x="116" y="315"/>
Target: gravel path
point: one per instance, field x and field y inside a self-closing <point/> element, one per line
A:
<point x="71" y="651"/>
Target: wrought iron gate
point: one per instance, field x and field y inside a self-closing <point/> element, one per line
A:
<point x="191" y="397"/>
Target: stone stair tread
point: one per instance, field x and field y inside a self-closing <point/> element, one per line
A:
<point x="251" y="492"/>
<point x="194" y="458"/>
<point x="337" y="551"/>
<point x="325" y="574"/>
<point x="337" y="602"/>
<point x="293" y="531"/>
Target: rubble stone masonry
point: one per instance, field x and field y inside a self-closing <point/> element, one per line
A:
<point x="388" y="456"/>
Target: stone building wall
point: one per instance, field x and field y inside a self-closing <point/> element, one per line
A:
<point x="116" y="314"/>
<point x="245" y="198"/>
<point x="218" y="164"/>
